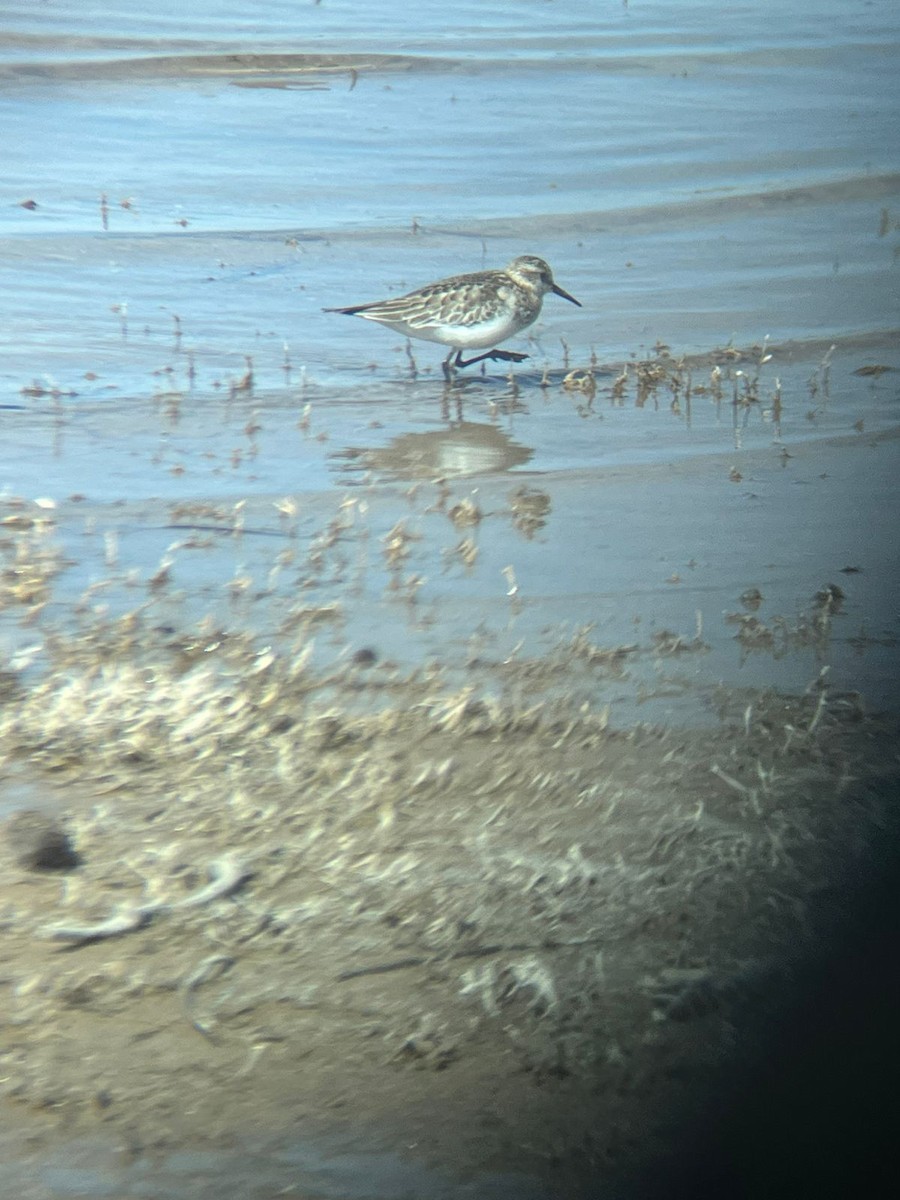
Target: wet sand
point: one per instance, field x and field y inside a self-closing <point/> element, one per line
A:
<point x="482" y="919"/>
<point x="485" y="938"/>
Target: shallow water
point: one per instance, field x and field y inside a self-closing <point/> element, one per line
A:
<point x="174" y="215"/>
<point x="690" y="178"/>
<point x="324" y="1170"/>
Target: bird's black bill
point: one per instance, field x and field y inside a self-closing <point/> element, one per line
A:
<point x="565" y="295"/>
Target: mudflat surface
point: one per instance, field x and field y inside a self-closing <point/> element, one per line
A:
<point x="490" y="941"/>
<point x="478" y="790"/>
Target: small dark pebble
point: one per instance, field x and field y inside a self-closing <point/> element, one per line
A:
<point x="39" y="842"/>
<point x="366" y="657"/>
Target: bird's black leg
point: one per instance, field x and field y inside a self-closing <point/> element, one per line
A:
<point x="455" y="359"/>
<point x="493" y="355"/>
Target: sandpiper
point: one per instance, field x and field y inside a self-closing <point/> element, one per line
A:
<point x="467" y="312"/>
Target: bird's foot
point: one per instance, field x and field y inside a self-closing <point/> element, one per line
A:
<point x="493" y="355"/>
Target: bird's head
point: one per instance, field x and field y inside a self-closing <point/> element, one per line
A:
<point x="532" y="272"/>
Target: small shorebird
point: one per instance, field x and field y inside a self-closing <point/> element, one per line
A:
<point x="467" y="312"/>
